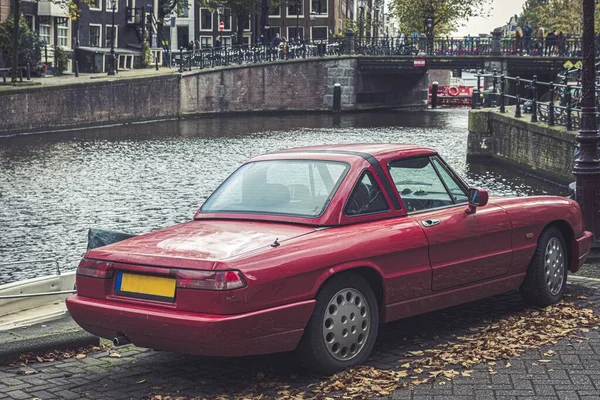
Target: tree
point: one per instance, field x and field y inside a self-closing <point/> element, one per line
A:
<point x="447" y="15"/>
<point x="562" y="15"/>
<point x="29" y="46"/>
<point x="69" y="5"/>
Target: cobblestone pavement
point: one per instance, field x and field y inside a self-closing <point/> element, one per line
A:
<point x="572" y="373"/>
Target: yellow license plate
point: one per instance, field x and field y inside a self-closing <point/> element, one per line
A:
<point x="145" y="286"/>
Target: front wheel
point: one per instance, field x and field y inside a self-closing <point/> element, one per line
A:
<point x="546" y="277"/>
<point x="342" y="330"/>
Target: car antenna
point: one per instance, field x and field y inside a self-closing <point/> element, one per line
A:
<point x="275" y="243"/>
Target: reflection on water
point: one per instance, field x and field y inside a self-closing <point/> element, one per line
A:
<point x="141" y="177"/>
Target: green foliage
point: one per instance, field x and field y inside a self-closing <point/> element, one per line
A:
<point x="30" y="46"/>
<point x="146" y="55"/>
<point x="61" y="59"/>
<point x="448" y="15"/>
<point x="562" y="15"/>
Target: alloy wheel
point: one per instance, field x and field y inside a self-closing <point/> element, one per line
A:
<point x="346" y="324"/>
<point x="554" y="265"/>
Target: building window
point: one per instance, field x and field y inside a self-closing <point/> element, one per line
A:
<point x="95" y="5"/>
<point x="246" y="40"/>
<point x="295" y="5"/>
<point x="29" y="22"/>
<point x="62" y="33"/>
<point x="206" y="42"/>
<point x="109" y="33"/>
<point x="206" y="20"/>
<point x="292" y="33"/>
<point x="274" y="30"/>
<point x="45" y="33"/>
<point x="318" y="33"/>
<point x="109" y="5"/>
<point x="318" y="6"/>
<point x="248" y="23"/>
<point x="274" y="10"/>
<point x="95" y="35"/>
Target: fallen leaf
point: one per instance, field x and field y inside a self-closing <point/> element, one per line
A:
<point x="80" y="356"/>
<point x="115" y="355"/>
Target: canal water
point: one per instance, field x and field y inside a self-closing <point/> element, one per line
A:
<point x="141" y="177"/>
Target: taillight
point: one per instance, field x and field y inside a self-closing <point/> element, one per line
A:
<point x="96" y="269"/>
<point x="209" y="280"/>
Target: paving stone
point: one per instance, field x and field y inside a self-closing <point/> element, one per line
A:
<point x="573" y="373"/>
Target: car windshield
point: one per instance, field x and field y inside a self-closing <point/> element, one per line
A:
<point x="291" y="187"/>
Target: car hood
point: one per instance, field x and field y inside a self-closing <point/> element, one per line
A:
<point x="198" y="244"/>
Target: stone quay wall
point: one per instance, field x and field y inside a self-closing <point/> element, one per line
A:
<point x="88" y="104"/>
<point x="545" y="151"/>
<point x="294" y="85"/>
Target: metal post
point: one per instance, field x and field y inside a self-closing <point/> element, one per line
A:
<point x="28" y="71"/>
<point x="518" y="97"/>
<point x="76" y="69"/>
<point x="534" y="105"/>
<point x="156" y="62"/>
<point x="587" y="164"/>
<point x="502" y="93"/>
<point x="298" y="19"/>
<point x="181" y="59"/>
<point x="478" y="103"/>
<point x="434" y="93"/>
<point x="337" y="97"/>
<point x="111" y="66"/>
<point x="494" y="87"/>
<point x="569" y="109"/>
<point x="551" y="106"/>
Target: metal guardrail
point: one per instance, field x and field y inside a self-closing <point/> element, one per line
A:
<point x="559" y="104"/>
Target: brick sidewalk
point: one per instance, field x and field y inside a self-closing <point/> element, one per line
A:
<point x="573" y="372"/>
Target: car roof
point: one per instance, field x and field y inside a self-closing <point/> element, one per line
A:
<point x="377" y="150"/>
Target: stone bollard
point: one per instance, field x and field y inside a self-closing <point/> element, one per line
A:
<point x="434" y="94"/>
<point x="337" y="97"/>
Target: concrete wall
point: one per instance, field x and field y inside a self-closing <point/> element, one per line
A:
<point x="537" y="148"/>
<point x="93" y="103"/>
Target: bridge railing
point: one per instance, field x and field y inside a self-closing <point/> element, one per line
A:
<point x="469" y="45"/>
<point x="555" y="103"/>
<point x="252" y="54"/>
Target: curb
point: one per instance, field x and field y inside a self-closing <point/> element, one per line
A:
<point x="11" y="351"/>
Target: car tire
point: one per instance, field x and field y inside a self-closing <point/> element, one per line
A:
<point x="341" y="332"/>
<point x="546" y="277"/>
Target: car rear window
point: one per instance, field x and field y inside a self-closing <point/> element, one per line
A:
<point x="287" y="187"/>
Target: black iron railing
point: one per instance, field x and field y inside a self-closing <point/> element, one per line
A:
<point x="247" y="54"/>
<point x="465" y="46"/>
<point x="554" y="103"/>
<point x="382" y="46"/>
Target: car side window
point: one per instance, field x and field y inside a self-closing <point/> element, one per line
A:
<point x="366" y="197"/>
<point x="456" y="190"/>
<point x="419" y="184"/>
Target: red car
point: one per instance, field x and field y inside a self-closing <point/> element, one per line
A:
<point x="312" y="248"/>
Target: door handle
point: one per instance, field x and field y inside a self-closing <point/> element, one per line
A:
<point x="430" y="222"/>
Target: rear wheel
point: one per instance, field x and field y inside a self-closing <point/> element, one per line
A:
<point x="546" y="277"/>
<point x="342" y="330"/>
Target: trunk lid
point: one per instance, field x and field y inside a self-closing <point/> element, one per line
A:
<point x="198" y="244"/>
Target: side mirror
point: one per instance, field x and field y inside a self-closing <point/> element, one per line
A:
<point x="477" y="198"/>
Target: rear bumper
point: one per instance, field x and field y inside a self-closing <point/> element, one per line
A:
<point x="272" y="330"/>
<point x="581" y="250"/>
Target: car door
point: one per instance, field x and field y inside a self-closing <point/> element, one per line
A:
<point x="463" y="248"/>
